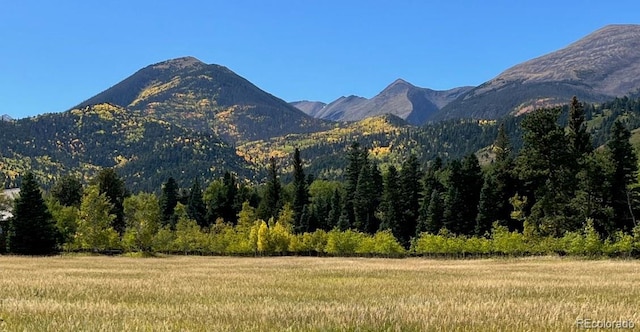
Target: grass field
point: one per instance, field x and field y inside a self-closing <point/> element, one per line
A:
<point x="73" y="293"/>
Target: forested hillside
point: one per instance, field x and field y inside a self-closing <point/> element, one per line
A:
<point x="557" y="194"/>
<point x="83" y="141"/>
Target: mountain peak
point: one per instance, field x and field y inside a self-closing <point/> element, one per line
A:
<point x="401" y="81"/>
<point x="183" y="62"/>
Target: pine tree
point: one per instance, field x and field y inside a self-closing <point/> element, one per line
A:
<point x="579" y="139"/>
<point x="4" y="223"/>
<point x="593" y="199"/>
<point x="431" y="184"/>
<point x="356" y="159"/>
<point x="390" y="208"/>
<point x="271" y="202"/>
<point x="335" y="210"/>
<point x="32" y="230"/>
<point x="625" y="171"/>
<point x="435" y="213"/>
<point x="367" y="199"/>
<point x="545" y="167"/>
<point x="68" y="191"/>
<point x="223" y="199"/>
<point x="168" y="202"/>
<point x="409" y="199"/>
<point x="471" y="188"/>
<point x="110" y="184"/>
<point x="502" y="145"/>
<point x="454" y="203"/>
<point x="196" y="210"/>
<point x="301" y="193"/>
<point x="498" y="186"/>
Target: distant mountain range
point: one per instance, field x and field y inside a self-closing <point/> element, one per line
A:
<point x="598" y="67"/>
<point x="401" y="98"/>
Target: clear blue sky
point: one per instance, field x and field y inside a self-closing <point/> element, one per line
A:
<point x="55" y="54"/>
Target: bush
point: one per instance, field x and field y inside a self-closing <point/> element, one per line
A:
<point x="343" y="243"/>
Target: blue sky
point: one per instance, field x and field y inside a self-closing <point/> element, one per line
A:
<point x="55" y="54"/>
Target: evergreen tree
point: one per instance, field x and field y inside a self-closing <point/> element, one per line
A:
<point x="435" y="213"/>
<point x="431" y="184"/>
<point x="345" y="216"/>
<point x="300" y="194"/>
<point x="335" y="210"/>
<point x="32" y="230"/>
<point x="168" y="202"/>
<point x="502" y="145"/>
<point x="498" y="186"/>
<point x="545" y="167"/>
<point x="4" y="223"/>
<point x="196" y="210"/>
<point x="471" y="187"/>
<point x="110" y="184"/>
<point x="271" y="202"/>
<point x="625" y="170"/>
<point x="579" y="139"/>
<point x="223" y="199"/>
<point x="232" y="203"/>
<point x="68" y="191"/>
<point x="356" y="159"/>
<point x="409" y="198"/>
<point x="461" y="196"/>
<point x="366" y="199"/>
<point x="391" y="212"/>
<point x="593" y="198"/>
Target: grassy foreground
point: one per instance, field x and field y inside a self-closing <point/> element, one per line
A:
<point x="72" y="293"/>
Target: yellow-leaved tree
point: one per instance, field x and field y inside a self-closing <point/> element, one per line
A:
<point x="94" y="231"/>
<point x="142" y="219"/>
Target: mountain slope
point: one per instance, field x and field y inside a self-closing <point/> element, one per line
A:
<point x="206" y="97"/>
<point x="310" y="108"/>
<point x="600" y="66"/>
<point x="144" y="150"/>
<point x="401" y="98"/>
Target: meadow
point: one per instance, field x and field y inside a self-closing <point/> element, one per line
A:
<point x="192" y="293"/>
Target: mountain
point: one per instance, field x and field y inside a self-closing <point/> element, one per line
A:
<point x="310" y="108"/>
<point x="143" y="149"/>
<point x="206" y="97"/>
<point x="401" y="98"/>
<point x="598" y="67"/>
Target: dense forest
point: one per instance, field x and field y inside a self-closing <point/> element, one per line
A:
<point x="561" y="192"/>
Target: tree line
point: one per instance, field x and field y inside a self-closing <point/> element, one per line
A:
<point x="557" y="194"/>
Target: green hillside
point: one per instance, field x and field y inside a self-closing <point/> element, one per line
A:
<point x="144" y="150"/>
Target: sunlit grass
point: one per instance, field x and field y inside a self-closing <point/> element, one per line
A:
<point x="73" y="293"/>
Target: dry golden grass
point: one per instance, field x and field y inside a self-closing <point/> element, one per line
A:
<point x="72" y="293"/>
